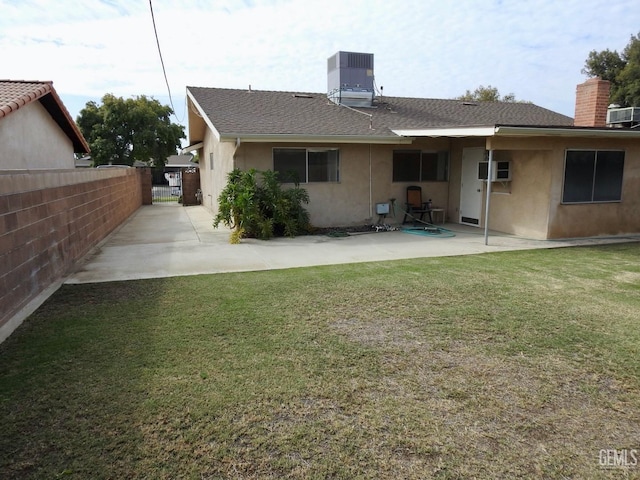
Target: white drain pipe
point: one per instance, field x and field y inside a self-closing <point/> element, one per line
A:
<point x="488" y="200"/>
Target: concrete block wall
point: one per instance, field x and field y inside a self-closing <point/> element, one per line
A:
<point x="51" y="219"/>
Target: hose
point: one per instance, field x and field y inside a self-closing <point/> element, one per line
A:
<point x="426" y="229"/>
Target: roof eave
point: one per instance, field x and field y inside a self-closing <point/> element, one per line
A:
<point x="455" y="132"/>
<point x="201" y="113"/>
<point x="193" y="147"/>
<point x="66" y="122"/>
<point x="301" y="138"/>
<point x="588" y="132"/>
<point x="520" y="131"/>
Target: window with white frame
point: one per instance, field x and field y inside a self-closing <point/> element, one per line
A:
<point x="307" y="165"/>
<point x="418" y="166"/>
<point x="593" y="176"/>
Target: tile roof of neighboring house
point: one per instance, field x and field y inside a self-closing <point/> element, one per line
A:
<point x="15" y="94"/>
<point x="254" y="112"/>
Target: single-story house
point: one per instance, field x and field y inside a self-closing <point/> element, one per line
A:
<point x="354" y="148"/>
<point x="36" y="130"/>
<point x="84" y="162"/>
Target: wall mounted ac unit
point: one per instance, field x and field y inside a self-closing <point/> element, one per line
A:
<point x="617" y="116"/>
<point x="501" y="171"/>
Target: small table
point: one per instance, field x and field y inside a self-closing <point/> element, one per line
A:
<point x="438" y="210"/>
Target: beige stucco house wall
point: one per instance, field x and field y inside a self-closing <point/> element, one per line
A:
<point x="31" y="139"/>
<point x="216" y="161"/>
<point x="530" y="205"/>
<point x="36" y="130"/>
<point x="365" y="178"/>
<point x="615" y="218"/>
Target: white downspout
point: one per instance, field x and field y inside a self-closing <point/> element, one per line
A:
<point x="370" y="186"/>
<point x="488" y="200"/>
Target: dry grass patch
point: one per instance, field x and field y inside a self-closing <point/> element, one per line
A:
<point x="514" y="365"/>
<point x="488" y="413"/>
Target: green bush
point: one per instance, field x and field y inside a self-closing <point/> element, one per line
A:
<point x="255" y="205"/>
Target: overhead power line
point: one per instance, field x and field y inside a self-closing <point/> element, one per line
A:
<point x="164" y="71"/>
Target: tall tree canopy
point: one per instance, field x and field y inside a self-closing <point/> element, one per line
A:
<point x="622" y="70"/>
<point x="122" y="131"/>
<point x="486" y="94"/>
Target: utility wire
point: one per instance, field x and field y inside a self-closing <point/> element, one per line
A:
<point x="164" y="71"/>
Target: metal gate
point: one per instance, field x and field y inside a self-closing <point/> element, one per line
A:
<point x="168" y="188"/>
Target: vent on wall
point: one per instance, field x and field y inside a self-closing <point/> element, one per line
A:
<point x="350" y="79"/>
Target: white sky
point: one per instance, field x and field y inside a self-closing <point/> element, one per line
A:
<point x="534" y="49"/>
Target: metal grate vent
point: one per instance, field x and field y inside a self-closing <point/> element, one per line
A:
<point x="360" y="60"/>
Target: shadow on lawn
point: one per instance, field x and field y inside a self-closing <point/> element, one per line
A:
<point x="72" y="379"/>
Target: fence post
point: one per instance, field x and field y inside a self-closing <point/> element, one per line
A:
<point x="146" y="185"/>
<point x="190" y="186"/>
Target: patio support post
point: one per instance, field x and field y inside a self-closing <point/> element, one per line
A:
<point x="370" y="185"/>
<point x="488" y="199"/>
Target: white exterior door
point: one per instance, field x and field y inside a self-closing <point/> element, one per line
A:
<point x="471" y="186"/>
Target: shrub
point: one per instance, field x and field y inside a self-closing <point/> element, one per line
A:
<point x="254" y="205"/>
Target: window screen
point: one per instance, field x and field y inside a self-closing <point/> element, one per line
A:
<point x="417" y="166"/>
<point x="593" y="176"/>
<point x="304" y="165"/>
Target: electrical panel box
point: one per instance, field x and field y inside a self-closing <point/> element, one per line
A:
<point x="382" y="208"/>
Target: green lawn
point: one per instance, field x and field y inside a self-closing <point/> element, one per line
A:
<point x="506" y="365"/>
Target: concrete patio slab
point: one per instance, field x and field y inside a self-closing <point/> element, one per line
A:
<point x="172" y="240"/>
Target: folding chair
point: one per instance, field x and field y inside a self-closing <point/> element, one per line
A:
<point x="415" y="207"/>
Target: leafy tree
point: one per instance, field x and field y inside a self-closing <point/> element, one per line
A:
<point x="486" y="94"/>
<point x="260" y="208"/>
<point x="122" y="131"/>
<point x="622" y="70"/>
<point x="605" y="64"/>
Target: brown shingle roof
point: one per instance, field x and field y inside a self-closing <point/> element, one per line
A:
<point x="255" y="112"/>
<point x="15" y="94"/>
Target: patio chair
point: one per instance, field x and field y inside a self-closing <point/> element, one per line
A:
<point x="415" y="207"/>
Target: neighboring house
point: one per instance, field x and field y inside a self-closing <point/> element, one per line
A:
<point x="84" y="162"/>
<point x="36" y="130"/>
<point x="351" y="150"/>
<point x="180" y="161"/>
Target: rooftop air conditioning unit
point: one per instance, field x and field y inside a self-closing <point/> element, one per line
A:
<point x="350" y="79"/>
<point x="621" y="116"/>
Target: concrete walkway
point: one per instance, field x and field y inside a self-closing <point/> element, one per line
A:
<point x="171" y="240"/>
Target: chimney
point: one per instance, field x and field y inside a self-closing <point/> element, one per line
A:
<point x="592" y="100"/>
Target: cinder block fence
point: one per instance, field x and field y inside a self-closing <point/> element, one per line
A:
<point x="51" y="219"/>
